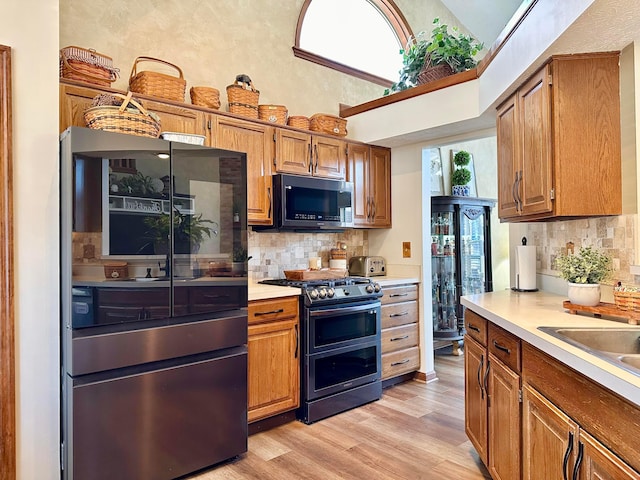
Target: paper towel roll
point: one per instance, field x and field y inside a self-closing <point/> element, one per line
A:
<point x="526" y="267"/>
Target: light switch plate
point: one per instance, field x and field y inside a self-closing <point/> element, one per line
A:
<point x="406" y="249"/>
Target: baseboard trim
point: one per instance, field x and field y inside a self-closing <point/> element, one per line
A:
<point x="425" y="377"/>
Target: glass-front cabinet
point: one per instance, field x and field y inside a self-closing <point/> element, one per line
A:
<point x="460" y="260"/>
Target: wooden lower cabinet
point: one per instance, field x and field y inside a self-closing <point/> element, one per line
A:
<point x="274" y="364"/>
<point x="400" y="340"/>
<point x="529" y="416"/>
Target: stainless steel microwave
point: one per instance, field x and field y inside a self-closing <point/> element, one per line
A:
<point x="312" y="203"/>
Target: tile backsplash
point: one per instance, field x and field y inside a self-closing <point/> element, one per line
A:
<point x="272" y="253"/>
<point x="614" y="235"/>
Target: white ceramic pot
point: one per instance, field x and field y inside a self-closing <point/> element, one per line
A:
<point x="586" y="294"/>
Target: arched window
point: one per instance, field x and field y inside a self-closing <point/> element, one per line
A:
<point x="362" y="38"/>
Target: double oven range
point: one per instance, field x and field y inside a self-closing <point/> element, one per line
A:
<point x="340" y="344"/>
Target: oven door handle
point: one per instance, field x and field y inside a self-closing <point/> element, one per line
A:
<point x="342" y="310"/>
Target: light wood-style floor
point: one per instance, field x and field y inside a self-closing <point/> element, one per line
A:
<point x="415" y="431"/>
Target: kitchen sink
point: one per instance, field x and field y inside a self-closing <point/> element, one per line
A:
<point x="620" y="346"/>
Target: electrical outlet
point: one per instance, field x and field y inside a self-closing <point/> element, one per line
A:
<point x="406" y="249"/>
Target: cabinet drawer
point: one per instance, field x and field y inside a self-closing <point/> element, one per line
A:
<point x="402" y="361"/>
<point x="476" y="327"/>
<point x="397" y="314"/>
<point x="504" y="346"/>
<point x="398" y="338"/>
<point x="272" y="310"/>
<point x="402" y="293"/>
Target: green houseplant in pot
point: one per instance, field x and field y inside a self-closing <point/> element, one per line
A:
<point x="189" y="231"/>
<point x="461" y="175"/>
<point x="427" y="58"/>
<point x="584" y="271"/>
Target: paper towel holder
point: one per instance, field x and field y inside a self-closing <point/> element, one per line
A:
<point x="517" y="287"/>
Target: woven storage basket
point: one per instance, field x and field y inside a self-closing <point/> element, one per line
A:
<point x="298" y="121"/>
<point x="430" y="73"/>
<point x="134" y="120"/>
<point x="627" y="298"/>
<point x="116" y="270"/>
<point x="205" y="97"/>
<point x="157" y="84"/>
<point x="87" y="65"/>
<point x="321" y="122"/>
<point x="243" y="97"/>
<point x="273" y="113"/>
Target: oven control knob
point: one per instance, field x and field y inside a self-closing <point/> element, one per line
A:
<point x="322" y="293"/>
<point x="369" y="288"/>
<point x="331" y="292"/>
<point x="377" y="287"/>
<point x="313" y="294"/>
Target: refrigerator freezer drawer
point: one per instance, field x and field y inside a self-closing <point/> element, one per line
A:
<point x="160" y="424"/>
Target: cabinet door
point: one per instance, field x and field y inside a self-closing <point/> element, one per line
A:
<point x="475" y="395"/>
<point x="74" y="100"/>
<point x="599" y="463"/>
<point x="509" y="170"/>
<point x="274" y="385"/>
<point x="380" y="186"/>
<point x="293" y="152"/>
<point x="549" y="438"/>
<point x="358" y="174"/>
<point x="174" y="118"/>
<point x="256" y="140"/>
<point x="504" y="421"/>
<point x="328" y="157"/>
<point x="534" y="110"/>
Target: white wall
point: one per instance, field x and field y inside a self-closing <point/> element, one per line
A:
<point x="30" y="28"/>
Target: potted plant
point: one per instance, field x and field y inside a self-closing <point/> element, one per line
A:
<point x="240" y="259"/>
<point x="444" y="53"/>
<point x="189" y="231"/>
<point x="461" y="174"/>
<point x="584" y="271"/>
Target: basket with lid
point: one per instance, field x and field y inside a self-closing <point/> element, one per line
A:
<point x="324" y="123"/>
<point x="87" y="65"/>
<point x="273" y="113"/>
<point x="243" y="97"/>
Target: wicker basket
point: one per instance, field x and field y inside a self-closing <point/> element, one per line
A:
<point x="627" y="298"/>
<point x="431" y="73"/>
<point x="157" y="84"/>
<point x="205" y="97"/>
<point x="87" y="65"/>
<point x="243" y="97"/>
<point x="134" y="120"/>
<point x="116" y="270"/>
<point x="298" y="121"/>
<point x="321" y="122"/>
<point x="273" y="113"/>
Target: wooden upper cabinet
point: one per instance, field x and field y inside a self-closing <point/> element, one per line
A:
<point x="75" y="99"/>
<point x="380" y="185"/>
<point x="293" y="152"/>
<point x="558" y="135"/>
<point x="369" y="168"/>
<point x="256" y="140"/>
<point x="329" y="157"/>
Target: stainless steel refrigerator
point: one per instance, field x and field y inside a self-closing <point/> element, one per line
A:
<point x="153" y="340"/>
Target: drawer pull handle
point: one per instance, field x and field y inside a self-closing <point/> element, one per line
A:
<point x="501" y="348"/>
<point x="398" y="338"/>
<point x="259" y="314"/>
<point x="394" y="364"/>
<point x="471" y="326"/>
<point x="402" y="314"/>
<point x="398" y="294"/>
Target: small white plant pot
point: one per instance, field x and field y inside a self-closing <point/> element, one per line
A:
<point x="586" y="294"/>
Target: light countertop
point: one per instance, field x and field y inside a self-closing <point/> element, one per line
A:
<point x="521" y="313"/>
<point x="390" y="281"/>
<point x="259" y="291"/>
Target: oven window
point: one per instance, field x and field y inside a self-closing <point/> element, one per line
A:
<point x="336" y="369"/>
<point x="341" y="328"/>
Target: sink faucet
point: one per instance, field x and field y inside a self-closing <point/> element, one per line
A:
<point x="167" y="266"/>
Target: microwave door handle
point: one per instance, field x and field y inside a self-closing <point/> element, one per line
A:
<point x="310" y="155"/>
<point x="315" y="169"/>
